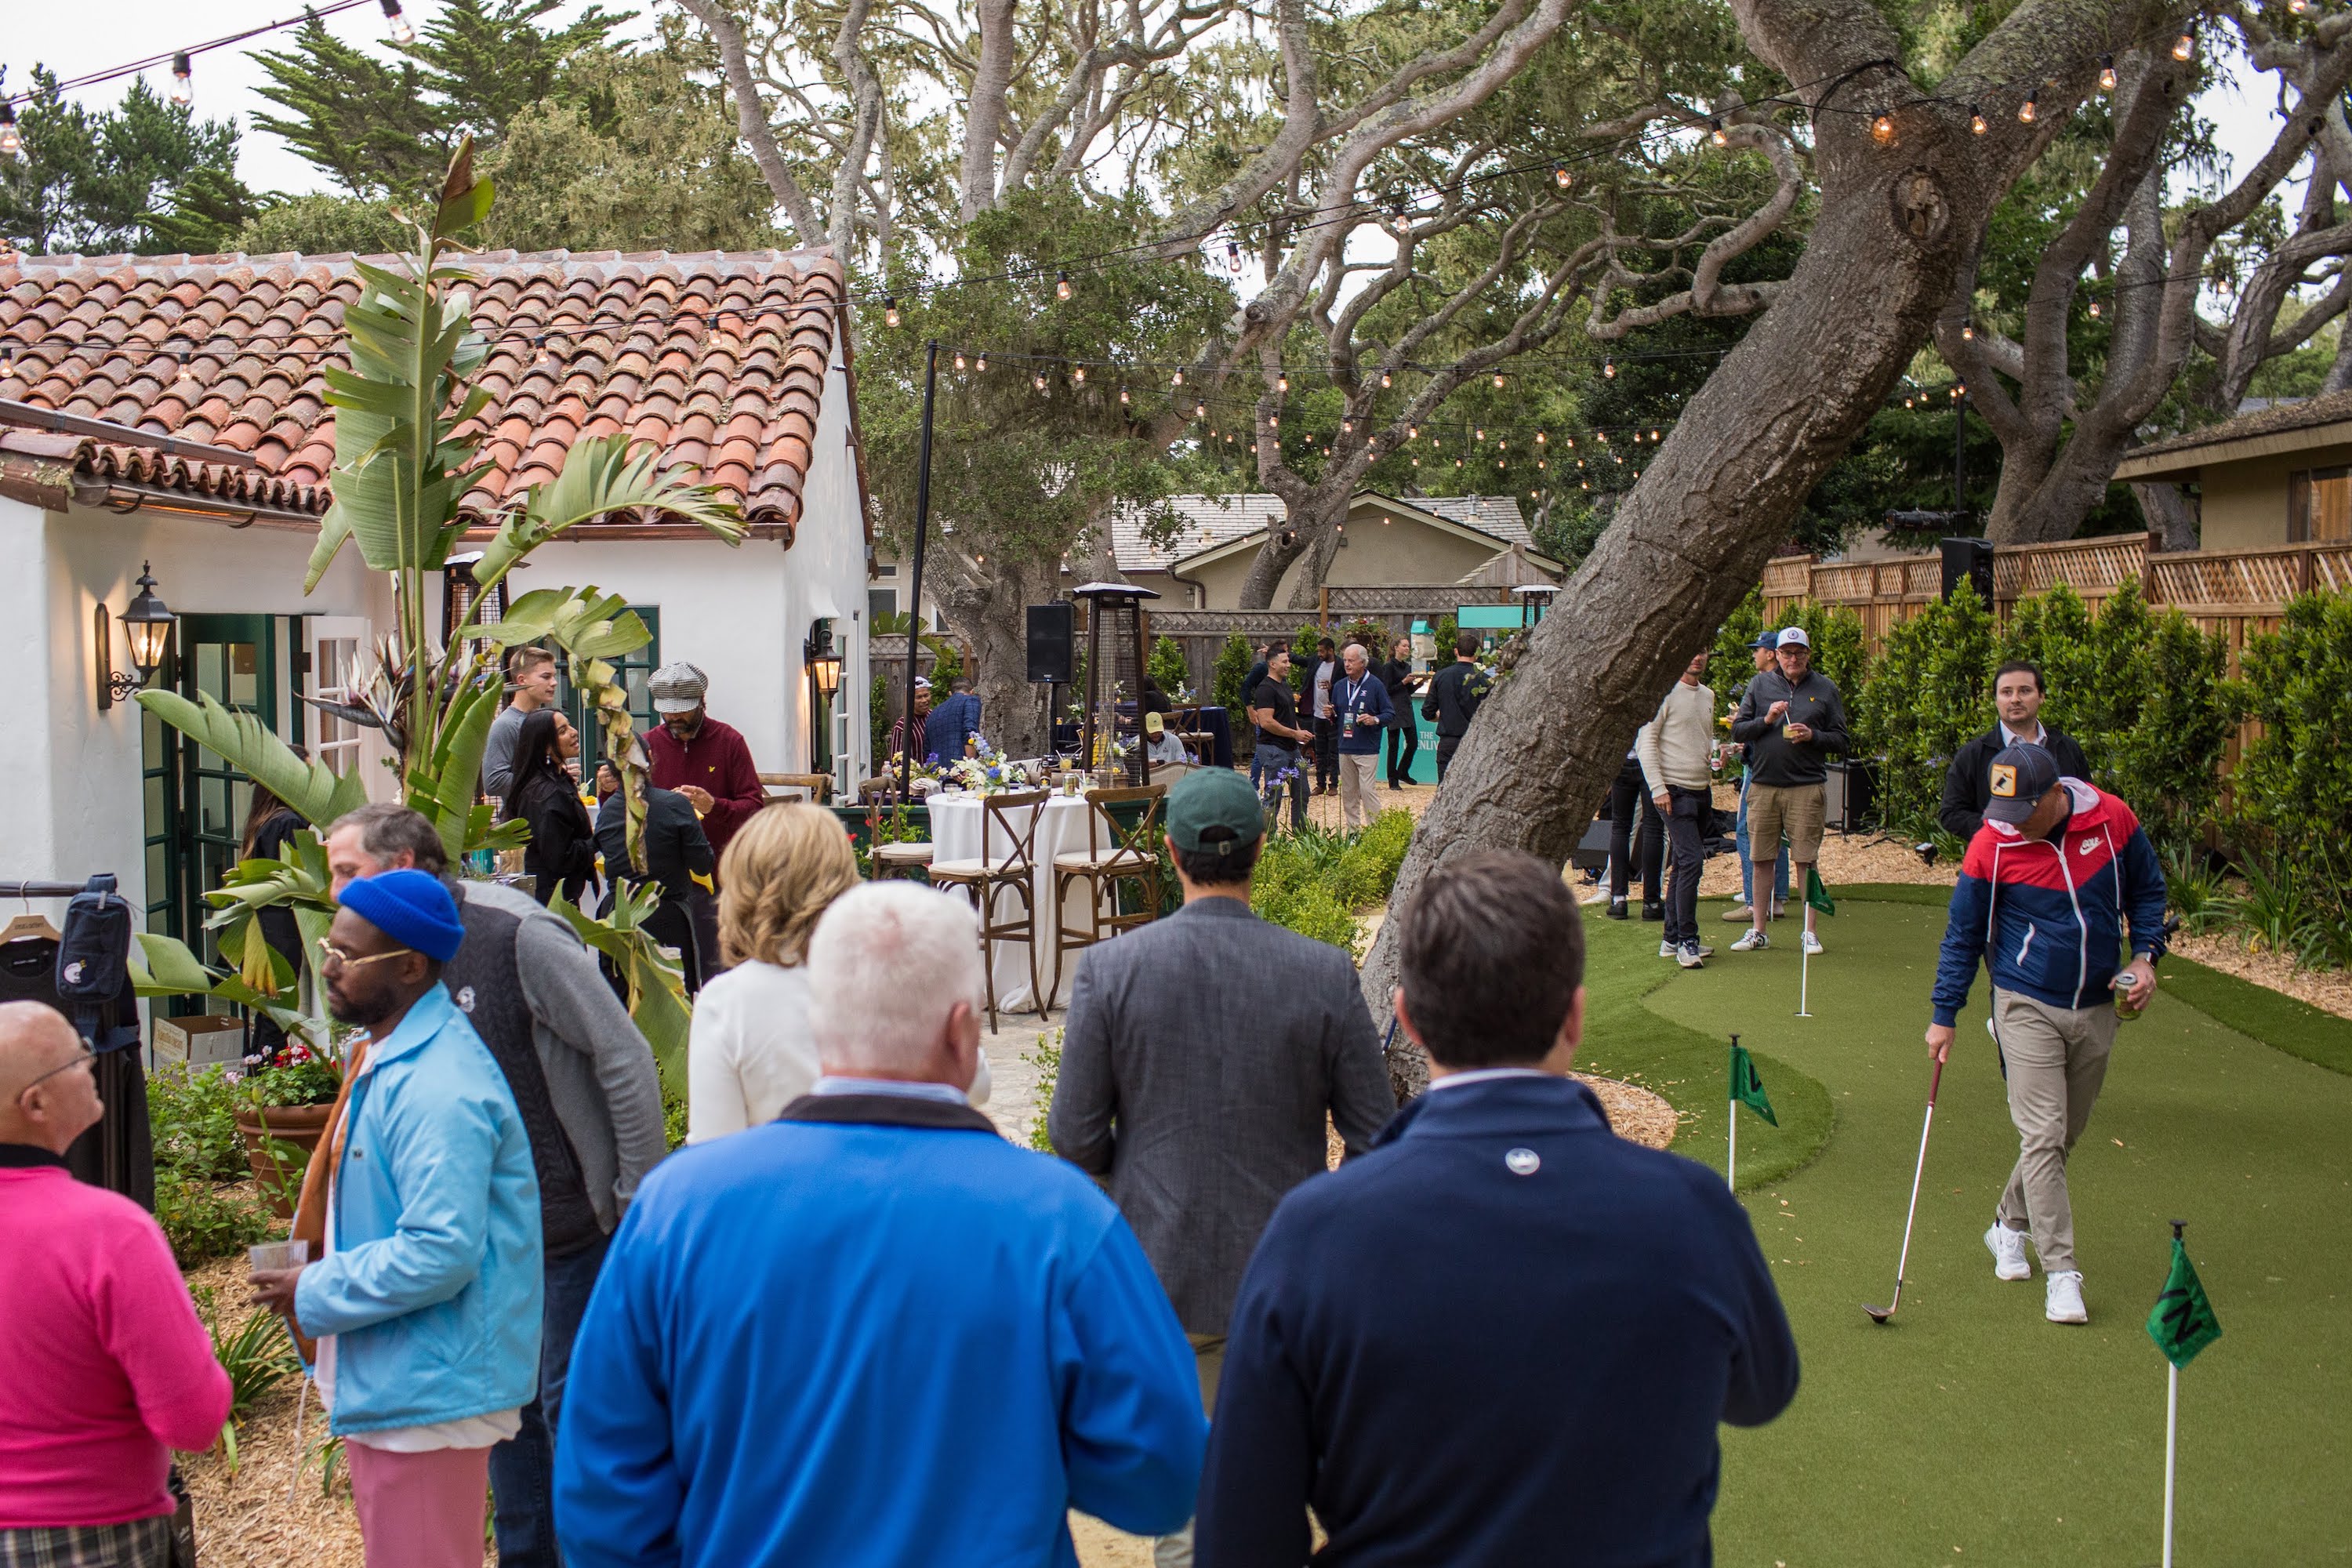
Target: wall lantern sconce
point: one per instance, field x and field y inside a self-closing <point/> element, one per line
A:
<point x="823" y="665"/>
<point x="147" y="625"/>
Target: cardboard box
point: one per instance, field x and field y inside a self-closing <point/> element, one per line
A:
<point x="194" y="1043"/>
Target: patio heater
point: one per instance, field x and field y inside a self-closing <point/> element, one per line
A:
<point x="1535" y="598"/>
<point x="1115" y="663"/>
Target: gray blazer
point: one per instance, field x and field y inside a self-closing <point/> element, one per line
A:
<point x="1203" y="1052"/>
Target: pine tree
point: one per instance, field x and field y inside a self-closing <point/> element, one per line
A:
<point x="143" y="176"/>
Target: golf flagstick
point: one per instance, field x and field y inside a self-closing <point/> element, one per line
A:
<point x="1903" y="1259"/>
<point x="1731" y="1153"/>
<point x="2171" y="1446"/>
<point x="2182" y="1324"/>
<point x="1804" y="978"/>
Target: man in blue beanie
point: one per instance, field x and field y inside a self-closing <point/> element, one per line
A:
<point x="426" y="1301"/>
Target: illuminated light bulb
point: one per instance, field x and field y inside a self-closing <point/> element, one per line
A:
<point x="1416" y="462"/>
<point x="959" y="360"/>
<point x="1977" y="123"/>
<point x="2182" y="46"/>
<point x="980" y="364"/>
<point x="1412" y="432"/>
<point x="1960" y="390"/>
<point x="1882" y="129"/>
<point x="1061" y="285"/>
<point x="541" y="358"/>
<point x="11" y="141"/>
<point x="1584" y="484"/>
<point x="1233" y="258"/>
<point x="890" y="311"/>
<point x="1655" y="437"/>
<point x="396" y="23"/>
<point x="183" y="90"/>
<point x="1498" y="466"/>
<point x="1906" y="403"/>
<point x="1541" y="463"/>
<point x="1326" y="452"/>
<point x="2300" y="7"/>
<point x="1385" y="379"/>
<point x="1079" y="375"/>
<point x="1499" y="381"/>
<point x="1178" y="379"/>
<point x="2108" y="70"/>
<point x="1040" y="380"/>
<point x="1562" y="177"/>
<point x="1457" y="462"/>
<point x="1571" y="443"/>
<point x="1347" y="427"/>
<point x="2094" y="310"/>
<point x="2025" y="110"/>
<point x="1540" y="437"/>
<point x="1201" y="411"/>
<point x="1282" y="383"/>
<point x="1716" y="134"/>
<point x="1123" y="399"/>
<point x="1968" y="332"/>
<point x="1609" y="368"/>
<point x="1481" y="432"/>
<point x="1273" y="421"/>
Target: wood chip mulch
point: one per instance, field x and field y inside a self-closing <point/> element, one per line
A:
<point x="2328" y="990"/>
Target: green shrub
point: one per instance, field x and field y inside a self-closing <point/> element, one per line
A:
<point x="204" y="1220"/>
<point x="1367" y="868"/>
<point x="1166" y="665"/>
<point x="1926" y="697"/>
<point x="1234" y="662"/>
<point x="1310" y="909"/>
<point x="1047" y="1059"/>
<point x="1304" y="643"/>
<point x="2292" y="787"/>
<point x="194" y="1120"/>
<point x="1839" y="650"/>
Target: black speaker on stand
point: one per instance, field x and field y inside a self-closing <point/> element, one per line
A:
<point x="1052" y="640"/>
<point x="1968" y="561"/>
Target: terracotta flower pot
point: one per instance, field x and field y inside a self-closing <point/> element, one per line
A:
<point x="299" y="1125"/>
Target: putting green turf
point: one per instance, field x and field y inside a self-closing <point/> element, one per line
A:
<point x="1968" y="1429"/>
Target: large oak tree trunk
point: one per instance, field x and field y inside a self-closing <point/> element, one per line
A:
<point x="1692" y="536"/>
<point x="984" y="603"/>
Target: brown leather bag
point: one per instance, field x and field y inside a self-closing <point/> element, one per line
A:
<point x="310" y="1208"/>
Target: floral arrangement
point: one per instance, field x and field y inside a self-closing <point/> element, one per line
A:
<point x="985" y="770"/>
<point x="303" y="1075"/>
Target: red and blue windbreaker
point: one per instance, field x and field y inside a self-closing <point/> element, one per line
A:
<point x="2048" y="915"/>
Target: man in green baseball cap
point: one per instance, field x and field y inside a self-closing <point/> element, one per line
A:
<point x="1202" y="1053"/>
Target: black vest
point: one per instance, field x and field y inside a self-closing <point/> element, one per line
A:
<point x="484" y="983"/>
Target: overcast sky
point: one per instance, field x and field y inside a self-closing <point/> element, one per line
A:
<point x="75" y="39"/>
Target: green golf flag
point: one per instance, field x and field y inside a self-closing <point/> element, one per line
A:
<point x="1815" y="894"/>
<point x="1747" y="1088"/>
<point x="2182" y="1321"/>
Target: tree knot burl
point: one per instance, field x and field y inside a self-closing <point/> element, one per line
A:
<point x="1921" y="209"/>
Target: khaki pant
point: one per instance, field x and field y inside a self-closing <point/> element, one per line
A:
<point x="2056" y="1058"/>
<point x="1795" y="812"/>
<point x="1209" y="1359"/>
<point x="1359" y="776"/>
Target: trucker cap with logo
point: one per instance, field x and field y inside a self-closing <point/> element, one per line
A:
<point x="2021" y="776"/>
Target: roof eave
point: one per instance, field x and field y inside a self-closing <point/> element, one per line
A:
<point x="2186" y="462"/>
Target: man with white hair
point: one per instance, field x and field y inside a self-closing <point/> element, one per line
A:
<point x="871" y="1331"/>
<point x="103" y="1367"/>
<point x="1360" y="708"/>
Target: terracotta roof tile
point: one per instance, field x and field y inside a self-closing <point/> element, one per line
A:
<point x="720" y="360"/>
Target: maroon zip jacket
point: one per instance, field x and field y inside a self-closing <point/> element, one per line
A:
<point x="718" y="759"/>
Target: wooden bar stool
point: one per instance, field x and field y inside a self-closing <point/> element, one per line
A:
<point x="1113" y="855"/>
<point x="910" y="861"/>
<point x="983" y="878"/>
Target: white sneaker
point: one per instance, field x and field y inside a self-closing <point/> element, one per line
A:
<point x="1752" y="941"/>
<point x="1812" y="942"/>
<point x="1692" y="956"/>
<point x="2063" y="1302"/>
<point x="2008" y="1249"/>
<point x="1665" y="950"/>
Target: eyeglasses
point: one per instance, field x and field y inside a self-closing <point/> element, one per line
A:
<point x="80" y="1059"/>
<point x="333" y="957"/>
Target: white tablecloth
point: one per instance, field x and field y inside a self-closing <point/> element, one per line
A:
<point x="955" y="822"/>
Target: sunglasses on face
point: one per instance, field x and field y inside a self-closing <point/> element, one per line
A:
<point x="331" y="957"/>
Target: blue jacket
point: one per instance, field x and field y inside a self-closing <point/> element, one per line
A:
<point x="1349" y="698"/>
<point x="897" y="1340"/>
<point x="433" y="1288"/>
<point x="947" y="726"/>
<point x="1458" y="1354"/>
<point x="2049" y="913"/>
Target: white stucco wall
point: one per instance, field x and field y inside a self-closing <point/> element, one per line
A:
<point x="742" y="613"/>
<point x="72" y="800"/>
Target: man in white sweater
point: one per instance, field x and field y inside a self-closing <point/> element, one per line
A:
<point x="1674" y="748"/>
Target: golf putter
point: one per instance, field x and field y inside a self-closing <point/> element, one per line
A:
<point x="1880" y="1314"/>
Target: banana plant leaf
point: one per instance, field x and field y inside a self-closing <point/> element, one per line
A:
<point x="315" y="790"/>
<point x="658" y="1000"/>
<point x="446" y="787"/>
<point x="163" y="966"/>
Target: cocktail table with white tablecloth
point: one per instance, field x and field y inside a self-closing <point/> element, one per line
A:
<point x="956" y="820"/>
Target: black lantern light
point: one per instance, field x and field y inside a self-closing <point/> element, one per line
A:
<point x="147" y="626"/>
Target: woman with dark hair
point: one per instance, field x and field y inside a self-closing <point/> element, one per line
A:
<point x="269" y="825"/>
<point x="1404" y="730"/>
<point x="563" y="848"/>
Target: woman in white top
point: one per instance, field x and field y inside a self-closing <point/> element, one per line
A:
<point x="750" y="1053"/>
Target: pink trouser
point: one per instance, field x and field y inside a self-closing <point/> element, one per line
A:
<point x="420" y="1510"/>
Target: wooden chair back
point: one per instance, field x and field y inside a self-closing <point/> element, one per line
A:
<point x="1141" y="843"/>
<point x="819" y="787"/>
<point x="996" y="811"/>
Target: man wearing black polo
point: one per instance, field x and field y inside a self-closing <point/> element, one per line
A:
<point x="1454" y="693"/>
<point x="1273" y="715"/>
<point x="2017" y="696"/>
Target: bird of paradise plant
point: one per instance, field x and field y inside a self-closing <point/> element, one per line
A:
<point x="402" y="469"/>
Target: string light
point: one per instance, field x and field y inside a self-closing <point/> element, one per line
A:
<point x="1282" y="383"/>
<point x="2182" y="46"/>
<point x="1178" y="379"/>
<point x="1609" y="368"/>
<point x="1968" y="332"/>
<point x="1716" y="134"/>
<point x="1481" y="432"/>
<point x="1412" y="432"/>
<point x="183" y="88"/>
<point x="890" y="310"/>
<point x="1122" y="397"/>
<point x="1385" y="379"/>
<point x="1960" y="390"/>
<point x="1562" y="177"/>
<point x="1402" y="221"/>
<point x="2300" y="7"/>
<point x="1201" y="411"/>
<point x="2106" y="73"/>
<point x="1347" y="427"/>
<point x="959" y="360"/>
<point x="2094" y="310"/>
<point x="980" y="364"/>
<point x="397" y="25"/>
<point x="541" y="358"/>
<point x="1499" y="381"/>
<point x="1061" y="285"/>
<point x="1882" y="129"/>
<point x="1273" y="421"/>
<point x="11" y="141"/>
<point x="2025" y="110"/>
<point x="1040" y="379"/>
<point x="1976" y="120"/>
<point x="1079" y="375"/>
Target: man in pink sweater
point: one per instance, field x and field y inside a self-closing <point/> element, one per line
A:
<point x="103" y="1366"/>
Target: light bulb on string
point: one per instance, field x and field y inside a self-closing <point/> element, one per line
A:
<point x="1655" y="438"/>
<point x="1968" y="332"/>
<point x="396" y="23"/>
<point x="1609" y="368"/>
<point x="1201" y="411"/>
<point x="1061" y="285"/>
<point x="980" y="364"/>
<point x="1402" y="220"/>
<point x="1716" y="134"/>
<point x="1960" y="390"/>
<point x="2106" y="73"/>
<point x="1282" y="382"/>
<point x="1038" y="381"/>
<point x="1882" y="129"/>
<point x="1562" y="177"/>
<point x="2300" y="7"/>
<point x="1385" y="381"/>
<point x="959" y="359"/>
<point x="1412" y="432"/>
<point x="1273" y="421"/>
<point x="2182" y="46"/>
<point x="890" y="311"/>
<point x="1123" y="399"/>
<point x="1976" y="121"/>
<point x="1541" y="463"/>
<point x="2025" y="110"/>
<point x="2094" y="309"/>
<point x="1178" y="379"/>
<point x="11" y="141"/>
<point x="1481" y="433"/>
<point x="541" y="358"/>
<point x="183" y="88"/>
<point x="1079" y="375"/>
<point x="1499" y="381"/>
<point x="1347" y="427"/>
<point x="1539" y="438"/>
